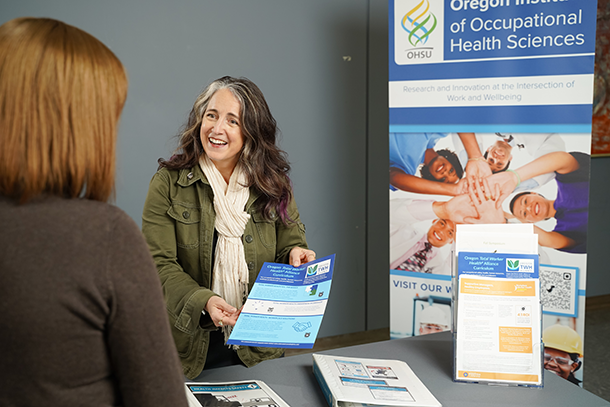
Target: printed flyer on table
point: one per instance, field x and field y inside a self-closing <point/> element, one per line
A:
<point x="498" y="336"/>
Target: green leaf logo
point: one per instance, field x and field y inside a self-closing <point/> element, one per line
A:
<point x="312" y="270"/>
<point x="513" y="264"/>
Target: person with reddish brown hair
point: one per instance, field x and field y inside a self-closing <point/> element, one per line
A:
<point x="81" y="309"/>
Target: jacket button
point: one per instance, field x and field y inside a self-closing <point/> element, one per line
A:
<point x="189" y="175"/>
<point x="186" y="215"/>
<point x="249" y="239"/>
<point x="251" y="265"/>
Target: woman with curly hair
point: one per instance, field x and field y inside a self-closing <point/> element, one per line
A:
<point x="215" y="212"/>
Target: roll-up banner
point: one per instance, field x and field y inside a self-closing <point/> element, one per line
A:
<point x="490" y="122"/>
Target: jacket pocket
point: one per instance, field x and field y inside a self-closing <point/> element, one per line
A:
<point x="188" y="219"/>
<point x="182" y="339"/>
<point x="265" y="230"/>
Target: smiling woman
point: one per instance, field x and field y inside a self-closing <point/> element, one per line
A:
<point x="215" y="212"/>
<point x="444" y="166"/>
<point x="570" y="208"/>
<point x="441" y="171"/>
<point x="221" y="135"/>
<point x="532" y="207"/>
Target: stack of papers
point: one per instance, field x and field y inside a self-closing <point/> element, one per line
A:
<point x="355" y="382"/>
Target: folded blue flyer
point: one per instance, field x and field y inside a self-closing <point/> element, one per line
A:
<point x="285" y="306"/>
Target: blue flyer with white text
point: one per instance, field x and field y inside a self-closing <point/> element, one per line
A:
<point x="285" y="306"/>
<point x="499" y="265"/>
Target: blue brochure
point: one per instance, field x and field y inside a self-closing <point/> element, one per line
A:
<point x="500" y="265"/>
<point x="285" y="306"/>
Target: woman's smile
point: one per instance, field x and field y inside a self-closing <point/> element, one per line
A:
<point x="221" y="134"/>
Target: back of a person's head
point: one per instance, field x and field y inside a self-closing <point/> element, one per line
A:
<point x="61" y="96"/>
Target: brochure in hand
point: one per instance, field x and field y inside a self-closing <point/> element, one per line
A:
<point x="285" y="306"/>
<point x="252" y="393"/>
<point x="355" y="382"/>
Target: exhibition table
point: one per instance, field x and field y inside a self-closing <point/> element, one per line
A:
<point x="429" y="356"/>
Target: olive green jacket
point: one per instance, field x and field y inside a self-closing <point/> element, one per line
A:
<point x="178" y="224"/>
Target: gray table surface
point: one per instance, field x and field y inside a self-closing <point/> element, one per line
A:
<point x="429" y="356"/>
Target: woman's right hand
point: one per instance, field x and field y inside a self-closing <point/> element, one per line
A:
<point x="299" y="256"/>
<point x="221" y="312"/>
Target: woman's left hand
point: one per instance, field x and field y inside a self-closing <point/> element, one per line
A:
<point x="299" y="256"/>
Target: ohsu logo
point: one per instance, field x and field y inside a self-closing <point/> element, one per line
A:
<point x="419" y="23"/>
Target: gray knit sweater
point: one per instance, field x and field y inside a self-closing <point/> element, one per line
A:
<point x="82" y="318"/>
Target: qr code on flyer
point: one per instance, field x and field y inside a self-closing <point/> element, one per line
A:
<point x="559" y="290"/>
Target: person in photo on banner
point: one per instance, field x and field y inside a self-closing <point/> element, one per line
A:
<point x="412" y="250"/>
<point x="563" y="349"/>
<point x="215" y="212"/>
<point x="570" y="208"/>
<point x="409" y="153"/>
<point x="501" y="147"/>
<point x="83" y="321"/>
<point x="410" y="215"/>
<point x="441" y="170"/>
<point x="420" y="256"/>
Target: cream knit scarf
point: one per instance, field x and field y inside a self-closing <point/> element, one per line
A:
<point x="230" y="272"/>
